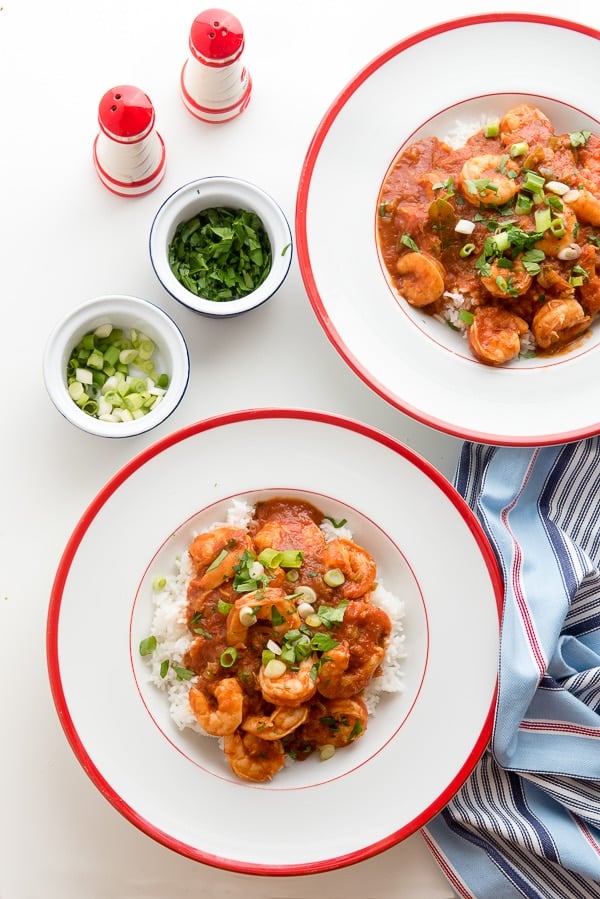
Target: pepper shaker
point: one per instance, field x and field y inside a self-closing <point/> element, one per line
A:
<point x="129" y="154"/>
<point x="215" y="84"/>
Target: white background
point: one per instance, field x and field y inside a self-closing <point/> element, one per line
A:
<point x="64" y="238"/>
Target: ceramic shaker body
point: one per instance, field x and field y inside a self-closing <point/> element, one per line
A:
<point x="215" y="83"/>
<point x="129" y="154"/>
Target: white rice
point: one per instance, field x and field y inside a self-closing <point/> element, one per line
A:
<point x="173" y="638"/>
<point x="463" y="129"/>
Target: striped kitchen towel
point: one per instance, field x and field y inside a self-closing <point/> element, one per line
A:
<point x="527" y="821"/>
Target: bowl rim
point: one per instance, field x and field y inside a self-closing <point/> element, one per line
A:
<point x="77" y="321"/>
<point x="241" y="191"/>
<point x="420" y="377"/>
<point x="207" y="438"/>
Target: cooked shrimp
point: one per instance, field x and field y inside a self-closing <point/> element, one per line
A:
<point x="269" y="604"/>
<point x="585" y="205"/>
<point x="495" y="335"/>
<point x="553" y="282"/>
<point x="420" y="278"/>
<point x="303" y="535"/>
<point x="552" y="245"/>
<point x="589" y="292"/>
<point x="282" y="721"/>
<point x="252" y="758"/>
<point x="292" y="688"/>
<point x="347" y="668"/>
<point x="216" y="553"/>
<point x="355" y="563"/>
<point x="338" y="678"/>
<point x="526" y="122"/>
<point x="484" y="180"/>
<point x="336" y="722"/>
<point x="505" y="282"/>
<point x="221" y="713"/>
<point x="558" y="322"/>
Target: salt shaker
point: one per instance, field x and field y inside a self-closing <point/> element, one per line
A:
<point x="215" y="84"/>
<point x="129" y="154"/>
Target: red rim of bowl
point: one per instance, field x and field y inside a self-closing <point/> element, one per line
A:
<point x="302" y="237"/>
<point x="53" y="661"/>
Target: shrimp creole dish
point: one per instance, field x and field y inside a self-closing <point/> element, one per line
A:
<point x="498" y="237"/>
<point x="275" y="637"/>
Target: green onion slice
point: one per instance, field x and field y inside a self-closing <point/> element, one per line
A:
<point x="228" y="657"/>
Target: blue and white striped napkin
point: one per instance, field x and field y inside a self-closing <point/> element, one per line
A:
<point x="527" y="821"/>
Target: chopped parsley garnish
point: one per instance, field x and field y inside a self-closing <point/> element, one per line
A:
<point x="147" y="646"/>
<point x="323" y="642"/>
<point x="221" y="254"/>
<point x="337" y="523"/>
<point x="331" y="615"/>
<point x="407" y="241"/>
<point x="182" y="673"/>
<point x="447" y="185"/>
<point x="243" y="580"/>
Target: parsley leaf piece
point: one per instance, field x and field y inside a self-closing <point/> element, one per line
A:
<point x="147" y="646"/>
<point x="407" y="241"/>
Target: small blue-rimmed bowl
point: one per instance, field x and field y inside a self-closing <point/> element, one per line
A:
<point x="214" y="192"/>
<point x="170" y="357"/>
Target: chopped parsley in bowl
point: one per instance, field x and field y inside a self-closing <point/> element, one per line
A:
<point x="220" y="246"/>
<point x="221" y="254"/>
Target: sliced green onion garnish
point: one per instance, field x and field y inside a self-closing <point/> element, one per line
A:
<point x="492" y="128"/>
<point x="159" y="583"/>
<point x="334" y="577"/>
<point x="291" y="558"/>
<point x="271" y="558"/>
<point x="228" y="657"/>
<point x="224" y="607"/>
<point x="501" y="241"/>
<point x="107" y="364"/>
<point x="519" y="149"/>
<point x="524" y="204"/>
<point x="579" y="138"/>
<point x="466" y="250"/>
<point x="533" y="182"/>
<point x="543" y="219"/>
<point x="557" y="227"/>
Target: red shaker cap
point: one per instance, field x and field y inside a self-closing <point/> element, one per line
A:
<point x="216" y="36"/>
<point x="125" y="113"/>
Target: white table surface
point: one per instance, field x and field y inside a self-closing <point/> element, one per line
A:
<point x="65" y="238"/>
